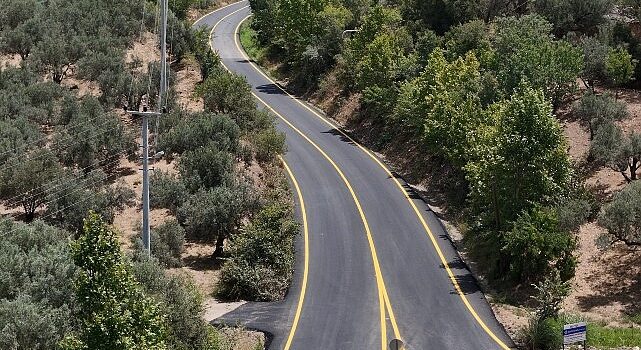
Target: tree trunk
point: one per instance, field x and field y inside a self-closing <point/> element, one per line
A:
<point x="57" y="78"/>
<point x="220" y="243"/>
<point x="626" y="177"/>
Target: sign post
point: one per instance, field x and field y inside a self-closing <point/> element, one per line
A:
<point x="575" y="333"/>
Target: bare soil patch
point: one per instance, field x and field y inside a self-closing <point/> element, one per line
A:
<point x="145" y="50"/>
<point x="187" y="77"/>
<point x="7" y="61"/>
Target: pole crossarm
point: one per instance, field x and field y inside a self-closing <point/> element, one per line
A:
<point x="145" y="114"/>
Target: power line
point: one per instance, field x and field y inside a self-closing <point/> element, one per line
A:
<point x="56" y="212"/>
<point x="65" y="146"/>
<point x="46" y="138"/>
<point x="44" y="191"/>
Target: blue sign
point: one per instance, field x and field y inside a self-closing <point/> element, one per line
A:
<point x="575" y="333"/>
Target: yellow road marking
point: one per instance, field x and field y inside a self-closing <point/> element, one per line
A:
<point x="384" y="303"/>
<point x="301" y="299"/>
<point x="214" y="11"/>
<point x="428" y="231"/>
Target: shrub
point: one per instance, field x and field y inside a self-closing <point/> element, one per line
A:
<point x="206" y="167"/>
<point x="200" y="130"/>
<point x="543" y="334"/>
<point x="36" y="292"/>
<point x="535" y="244"/>
<point x="621" y="216"/>
<point x="167" y="243"/>
<point x="166" y="191"/>
<point x="179" y="299"/>
<point x="31" y="325"/>
<point x="268" y="143"/>
<point x="261" y="257"/>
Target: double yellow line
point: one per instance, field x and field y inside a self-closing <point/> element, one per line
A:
<point x="385" y="306"/>
<point x="384" y="302"/>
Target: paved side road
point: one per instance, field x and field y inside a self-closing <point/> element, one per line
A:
<point x="381" y="264"/>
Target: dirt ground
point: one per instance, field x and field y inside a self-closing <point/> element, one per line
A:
<point x="607" y="286"/>
<point x="9" y="61"/>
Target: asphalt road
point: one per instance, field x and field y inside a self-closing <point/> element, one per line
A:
<point x="380" y="263"/>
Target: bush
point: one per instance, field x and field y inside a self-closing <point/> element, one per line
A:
<point x="535" y="244"/>
<point x="543" y="334"/>
<point x="31" y="325"/>
<point x="200" y="130"/>
<point x="261" y="257"/>
<point x="166" y="191"/>
<point x="596" y="111"/>
<point x="179" y="299"/>
<point x="268" y="143"/>
<point x="621" y="217"/>
<point x="167" y="243"/>
<point x="206" y="167"/>
<point x="36" y="292"/>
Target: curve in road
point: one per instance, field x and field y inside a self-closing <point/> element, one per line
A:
<point x="348" y="189"/>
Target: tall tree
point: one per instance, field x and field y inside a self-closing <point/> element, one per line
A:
<point x="114" y="311"/>
<point x="518" y="158"/>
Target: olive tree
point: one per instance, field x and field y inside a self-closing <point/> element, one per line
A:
<point x="25" y="180"/>
<point x="597" y="110"/>
<point x="621" y="153"/>
<point x="622" y="216"/>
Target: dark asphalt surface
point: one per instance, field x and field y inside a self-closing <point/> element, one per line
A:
<point x="341" y="309"/>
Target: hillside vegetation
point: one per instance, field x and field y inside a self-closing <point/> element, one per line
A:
<point x="472" y="89"/>
<point x="70" y="280"/>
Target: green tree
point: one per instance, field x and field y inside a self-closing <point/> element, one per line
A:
<point x="440" y="15"/>
<point x="517" y="159"/>
<point x="443" y="105"/>
<point x="582" y="16"/>
<point x="597" y="110"/>
<point x="617" y="151"/>
<point x="622" y="216"/>
<point x="22" y="39"/>
<point x="620" y="67"/>
<point x="25" y="179"/>
<point x="216" y="213"/>
<point x="57" y="52"/>
<point x="527" y="54"/>
<point x="114" y="311"/>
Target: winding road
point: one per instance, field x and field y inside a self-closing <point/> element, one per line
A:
<point x="374" y="263"/>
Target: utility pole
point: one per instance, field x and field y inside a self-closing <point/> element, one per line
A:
<point x="146" y="237"/>
<point x="162" y="98"/>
